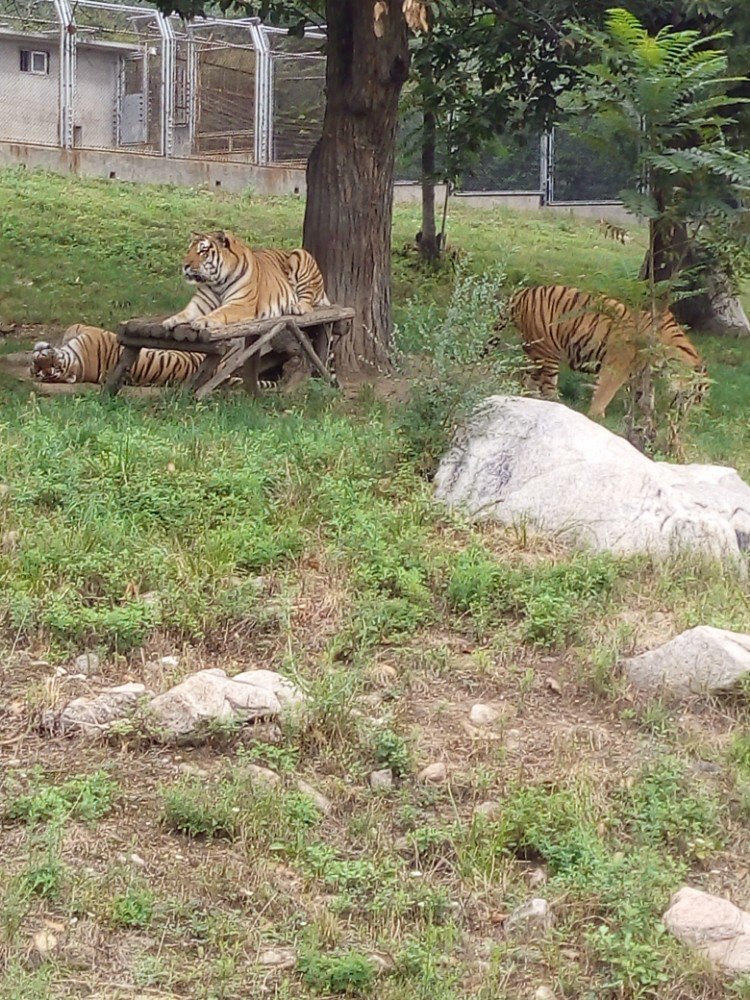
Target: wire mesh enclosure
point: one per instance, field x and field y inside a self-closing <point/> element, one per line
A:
<point x="102" y="75"/>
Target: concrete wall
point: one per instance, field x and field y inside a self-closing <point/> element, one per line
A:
<point x="28" y="103"/>
<point x="238" y="177"/>
<point x="143" y="168"/>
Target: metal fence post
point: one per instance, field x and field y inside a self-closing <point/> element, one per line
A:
<point x="263" y="94"/>
<point x="67" y="72"/>
<point x="547" y="167"/>
<point x="168" y="62"/>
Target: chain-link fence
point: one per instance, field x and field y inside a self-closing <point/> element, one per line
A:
<point x="100" y="75"/>
<point x="560" y="166"/>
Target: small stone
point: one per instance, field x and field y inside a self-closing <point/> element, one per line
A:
<point x="4" y="490"/>
<point x="169" y="662"/>
<point x="9" y="541"/>
<point x="490" y="809"/>
<point x="483" y="715"/>
<point x="532" y="916"/>
<point x="544" y="993"/>
<point x="434" y="773"/>
<point x="553" y="685"/>
<point x="192" y="770"/>
<point x="513" y="740"/>
<point x="537" y="876"/>
<point x="152" y="598"/>
<point x="278" y="958"/>
<point x="382" y="962"/>
<point x="263" y="775"/>
<point x="87" y="664"/>
<point x="381" y="779"/>
<point x="136" y="859"/>
<point x="325" y="805"/>
<point x="44" y="942"/>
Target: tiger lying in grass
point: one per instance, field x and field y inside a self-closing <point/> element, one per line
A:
<point x="88" y="354"/>
<point x="595" y="334"/>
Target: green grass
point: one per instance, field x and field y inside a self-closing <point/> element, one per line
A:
<point x="300" y="534"/>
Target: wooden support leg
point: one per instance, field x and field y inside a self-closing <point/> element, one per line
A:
<point x="250" y="371"/>
<point x="235" y="358"/>
<point x="307" y="347"/>
<point x="116" y="377"/>
<point x="206" y="370"/>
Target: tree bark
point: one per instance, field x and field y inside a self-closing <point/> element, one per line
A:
<point x="429" y="247"/>
<point x="350" y="172"/>
<point x="714" y="308"/>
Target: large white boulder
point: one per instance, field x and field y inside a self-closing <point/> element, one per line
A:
<point x="202" y="697"/>
<point x="536" y="462"/>
<point x="703" y="660"/>
<point x="94" y="716"/>
<point x="211" y="695"/>
<point x="714" y="927"/>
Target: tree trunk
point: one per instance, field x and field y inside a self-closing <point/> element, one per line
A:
<point x="714" y="308"/>
<point x="350" y="173"/>
<point x="429" y="247"/>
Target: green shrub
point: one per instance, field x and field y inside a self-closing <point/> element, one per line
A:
<point x="346" y="974"/>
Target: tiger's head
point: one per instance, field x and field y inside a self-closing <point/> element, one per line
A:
<point x="211" y="257"/>
<point x="47" y="363"/>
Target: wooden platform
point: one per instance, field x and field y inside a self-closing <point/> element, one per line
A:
<point x="297" y="345"/>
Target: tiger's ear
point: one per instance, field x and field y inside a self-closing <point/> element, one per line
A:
<point x="222" y="238"/>
<point x="196" y="236"/>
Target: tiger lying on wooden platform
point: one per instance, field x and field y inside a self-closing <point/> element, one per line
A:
<point x="234" y="282"/>
<point x="595" y="334"/>
<point x="88" y="354"/>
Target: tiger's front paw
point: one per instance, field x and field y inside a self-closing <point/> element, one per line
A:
<point x="171" y="322"/>
<point x="207" y="324"/>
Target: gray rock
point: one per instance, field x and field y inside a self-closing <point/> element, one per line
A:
<point x="513" y="740"/>
<point x="534" y="916"/>
<point x="182" y="710"/>
<point x="714" y="927"/>
<point x="278" y="958"/>
<point x="544" y="993"/>
<point x="209" y="695"/>
<point x="322" y="803"/>
<point x="491" y="809"/>
<point x="483" y="715"/>
<point x="537" y="876"/>
<point x="87" y="664"/>
<point x="433" y="773"/>
<point x="382" y="779"/>
<point x="94" y="716"/>
<point x="263" y="775"/>
<point x="515" y="454"/>
<point x="703" y="660"/>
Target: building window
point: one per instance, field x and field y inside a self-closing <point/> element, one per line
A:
<point x="35" y="62"/>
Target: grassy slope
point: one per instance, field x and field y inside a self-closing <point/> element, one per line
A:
<point x="294" y="534"/>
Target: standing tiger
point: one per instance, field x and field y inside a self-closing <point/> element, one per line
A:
<point x="88" y="354"/>
<point x="236" y="283"/>
<point x="591" y="333"/>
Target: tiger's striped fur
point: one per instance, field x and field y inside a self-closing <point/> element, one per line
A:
<point x="236" y="283"/>
<point x="596" y="334"/>
<point x="88" y="354"/>
<point x="613" y="232"/>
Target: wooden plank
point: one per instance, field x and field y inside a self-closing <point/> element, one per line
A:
<point x="116" y="377"/>
<point x="133" y="340"/>
<point x="236" y="357"/>
<point x="184" y="334"/>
